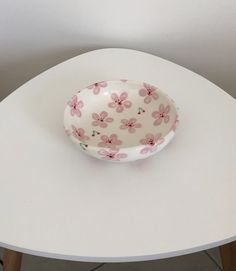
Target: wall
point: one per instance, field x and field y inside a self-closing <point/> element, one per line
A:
<point x="37" y="34"/>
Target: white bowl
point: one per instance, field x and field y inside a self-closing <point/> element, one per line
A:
<point x="120" y="120"/>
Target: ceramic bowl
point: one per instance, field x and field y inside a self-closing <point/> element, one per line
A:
<point x="120" y="120"/>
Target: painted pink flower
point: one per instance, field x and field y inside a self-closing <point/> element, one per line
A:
<point x="123" y="80"/>
<point x="97" y="86"/>
<point x="151" y="142"/>
<point x="79" y="133"/>
<point x="176" y="123"/>
<point x="101" y="119"/>
<point x="120" y="102"/>
<point x="161" y="114"/>
<point x="112" y="155"/>
<point x="130" y="124"/>
<point x="149" y="92"/>
<point x="109" y="141"/>
<point x="75" y="106"/>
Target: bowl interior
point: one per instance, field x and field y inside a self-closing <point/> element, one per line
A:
<point x="124" y="112"/>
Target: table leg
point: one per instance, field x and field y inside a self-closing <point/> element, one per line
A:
<point x="11" y="260"/>
<point x="228" y="256"/>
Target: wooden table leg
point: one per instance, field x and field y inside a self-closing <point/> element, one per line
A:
<point x="228" y="256"/>
<point x="11" y="260"/>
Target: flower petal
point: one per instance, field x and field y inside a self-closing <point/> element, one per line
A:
<point x="132" y="120"/>
<point x="118" y="142"/>
<point x="103" y="152"/>
<point x="121" y="155"/>
<point x="95" y="123"/>
<point x="148" y="99"/>
<point x="155" y="96"/>
<point x="70" y="103"/>
<point x="77" y="112"/>
<point x="74" y="99"/>
<point x="155" y="114"/>
<point x="113" y="136"/>
<point x="166" y="118"/>
<point x="112" y="105"/>
<point x="167" y="109"/>
<point x="103" y="84"/>
<point x="123" y="96"/>
<point x="114" y="97"/>
<point x="157" y="122"/>
<point x="124" y="121"/>
<point x="137" y="125"/>
<point x="103" y="125"/>
<point x="80" y="104"/>
<point x="157" y="137"/>
<point x="127" y="104"/>
<point x="91" y="86"/>
<point x="123" y="127"/>
<point x="143" y="141"/>
<point x="81" y="131"/>
<point x="131" y="130"/>
<point x="119" y="109"/>
<point x="104" y="137"/>
<point x="103" y="114"/>
<point x="161" y="108"/>
<point x="96" y="90"/>
<point x="143" y="92"/>
<point x="113" y="147"/>
<point x="95" y="116"/>
<point x="72" y="112"/>
<point x="145" y="150"/>
<point x="109" y="119"/>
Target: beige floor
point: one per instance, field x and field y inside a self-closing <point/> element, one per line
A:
<point x="201" y="261"/>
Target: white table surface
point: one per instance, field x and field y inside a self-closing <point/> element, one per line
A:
<point x="57" y="202"/>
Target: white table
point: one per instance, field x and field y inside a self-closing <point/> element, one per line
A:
<point x="57" y="202"/>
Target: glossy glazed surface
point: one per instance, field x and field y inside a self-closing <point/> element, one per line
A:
<point x="120" y="120"/>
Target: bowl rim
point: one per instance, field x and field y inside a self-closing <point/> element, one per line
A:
<point x="94" y="147"/>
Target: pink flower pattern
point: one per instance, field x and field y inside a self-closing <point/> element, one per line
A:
<point x="112" y="155"/>
<point x="101" y="119"/>
<point x="75" y="106"/>
<point x="108" y="144"/>
<point x="130" y="124"/>
<point x="161" y="115"/>
<point x="151" y="142"/>
<point x="149" y="92"/>
<point x="120" y="102"/>
<point x="110" y="141"/>
<point x="97" y="87"/>
<point x="79" y="133"/>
